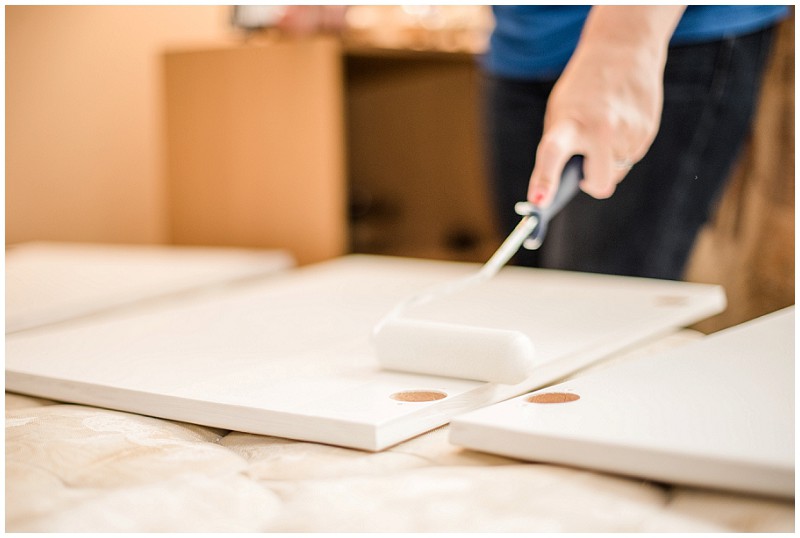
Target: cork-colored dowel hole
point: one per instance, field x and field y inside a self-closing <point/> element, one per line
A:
<point x="553" y="397"/>
<point x="671" y="300"/>
<point x="418" y="396"/>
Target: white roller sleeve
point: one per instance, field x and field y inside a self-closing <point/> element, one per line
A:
<point x="435" y="348"/>
<point x="426" y="347"/>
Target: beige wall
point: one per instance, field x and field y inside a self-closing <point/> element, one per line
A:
<point x="84" y="141"/>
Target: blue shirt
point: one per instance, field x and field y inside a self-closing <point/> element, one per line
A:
<point x="535" y="42"/>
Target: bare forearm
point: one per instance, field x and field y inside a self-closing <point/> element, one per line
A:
<point x="641" y="28"/>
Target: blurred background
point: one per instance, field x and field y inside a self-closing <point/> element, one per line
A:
<point x="202" y="125"/>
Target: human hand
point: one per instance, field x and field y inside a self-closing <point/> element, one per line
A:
<point x="607" y="103"/>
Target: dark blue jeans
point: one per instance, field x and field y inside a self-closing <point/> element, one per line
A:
<point x="648" y="227"/>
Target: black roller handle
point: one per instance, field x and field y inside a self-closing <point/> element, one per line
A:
<point x="567" y="189"/>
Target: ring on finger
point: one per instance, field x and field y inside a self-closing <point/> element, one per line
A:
<point x="623" y="164"/>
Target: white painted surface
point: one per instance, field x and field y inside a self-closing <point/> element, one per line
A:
<point x="49" y="282"/>
<point x="290" y="356"/>
<point x="718" y="413"/>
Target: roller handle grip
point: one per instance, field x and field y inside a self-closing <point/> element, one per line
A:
<point x="568" y="187"/>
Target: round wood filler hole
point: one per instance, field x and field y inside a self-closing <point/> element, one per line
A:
<point x="418" y="396"/>
<point x="671" y="300"/>
<point x="553" y="397"/>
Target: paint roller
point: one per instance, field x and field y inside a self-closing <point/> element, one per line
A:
<point x="451" y="350"/>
